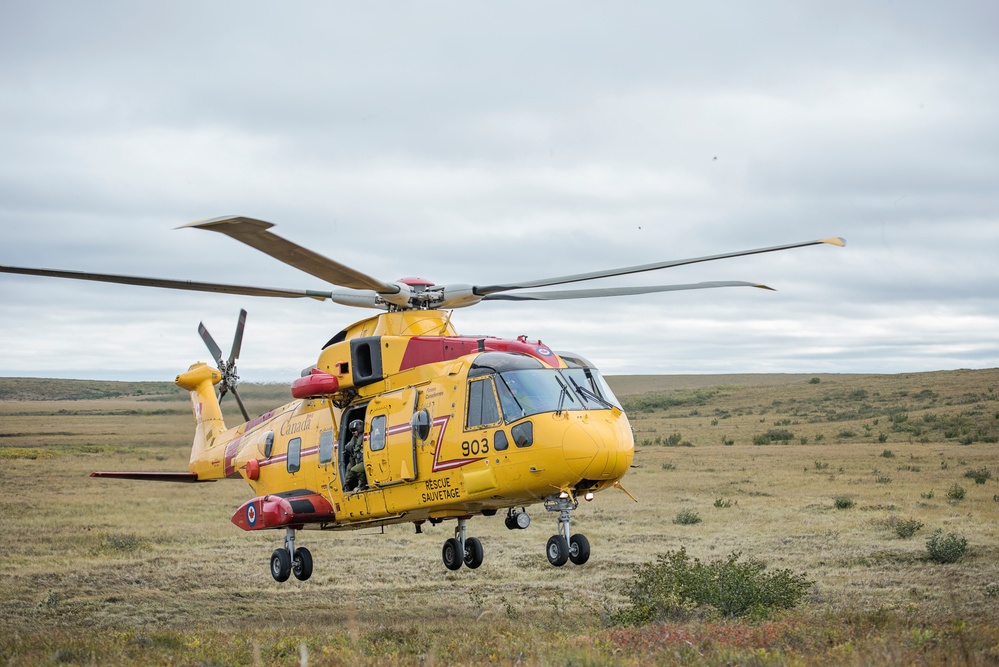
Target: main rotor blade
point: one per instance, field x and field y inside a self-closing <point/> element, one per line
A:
<point x="254" y="233"/>
<point x="190" y="285"/>
<point x="558" y="295"/>
<point x="237" y="340"/>
<point x="209" y="342"/>
<point x="483" y="290"/>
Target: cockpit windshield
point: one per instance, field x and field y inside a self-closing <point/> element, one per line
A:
<point x="525" y="387"/>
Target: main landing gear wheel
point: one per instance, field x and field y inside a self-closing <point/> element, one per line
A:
<point x="579" y="549"/>
<point x="452" y="554"/>
<point x="280" y="565"/>
<point x="461" y="549"/>
<point x="289" y="560"/>
<point x="557" y="550"/>
<point x="473" y="552"/>
<point x="301" y="564"/>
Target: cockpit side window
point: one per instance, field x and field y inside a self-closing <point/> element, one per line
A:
<point x="483" y="408"/>
<point x="512" y="410"/>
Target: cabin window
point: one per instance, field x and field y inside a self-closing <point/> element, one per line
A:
<point x="378" y="433"/>
<point x="523" y="434"/>
<point x="268" y="444"/>
<point x="500" y="441"/>
<point x="483" y="408"/>
<point x="325" y="447"/>
<point x="421" y="424"/>
<point x="295" y="455"/>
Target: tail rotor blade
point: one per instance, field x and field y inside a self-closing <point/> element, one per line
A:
<point x="229" y="380"/>
<point x="237" y="341"/>
<point x="239" y="402"/>
<point x="210" y="342"/>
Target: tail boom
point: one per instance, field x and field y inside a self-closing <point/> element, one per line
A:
<point x="200" y="380"/>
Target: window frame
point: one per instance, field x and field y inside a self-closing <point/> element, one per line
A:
<point x="488" y="385"/>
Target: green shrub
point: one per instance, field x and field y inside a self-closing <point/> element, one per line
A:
<point x="676" y="440"/>
<point x="888" y="454"/>
<point x="843" y="502"/>
<point x="949" y="549"/>
<point x="980" y="476"/>
<point x="675" y="585"/>
<point x="956" y="492"/>
<point x="687" y="517"/>
<point x="905" y="528"/>
<point x="781" y="435"/>
<point x="723" y="503"/>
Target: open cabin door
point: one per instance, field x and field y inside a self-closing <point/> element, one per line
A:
<point x="390" y="445"/>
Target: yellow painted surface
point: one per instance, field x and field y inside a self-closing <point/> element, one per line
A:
<point x="454" y="471"/>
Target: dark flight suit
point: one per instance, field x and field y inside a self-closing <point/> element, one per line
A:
<point x="356" y="476"/>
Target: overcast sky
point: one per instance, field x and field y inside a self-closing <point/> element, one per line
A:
<point x="484" y="142"/>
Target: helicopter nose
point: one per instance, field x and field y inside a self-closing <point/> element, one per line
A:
<point x="593" y="452"/>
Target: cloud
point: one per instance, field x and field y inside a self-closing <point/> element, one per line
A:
<point x="475" y="142"/>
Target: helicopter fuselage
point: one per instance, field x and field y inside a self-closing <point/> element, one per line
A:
<point x="453" y="427"/>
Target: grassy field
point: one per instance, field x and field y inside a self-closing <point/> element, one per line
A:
<point x="815" y="474"/>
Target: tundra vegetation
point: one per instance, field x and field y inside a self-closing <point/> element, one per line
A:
<point x="809" y="493"/>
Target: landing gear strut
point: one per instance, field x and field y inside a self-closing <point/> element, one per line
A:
<point x="289" y="560"/>
<point x="462" y="549"/>
<point x="563" y="547"/>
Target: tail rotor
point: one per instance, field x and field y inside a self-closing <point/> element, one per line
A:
<point x="230" y="380"/>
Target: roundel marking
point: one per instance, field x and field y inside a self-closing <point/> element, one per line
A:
<point x="544" y="352"/>
<point x="251" y="515"/>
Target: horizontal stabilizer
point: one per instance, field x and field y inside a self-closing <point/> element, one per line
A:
<point x="188" y="477"/>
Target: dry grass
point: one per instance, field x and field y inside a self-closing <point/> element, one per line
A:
<point x="104" y="572"/>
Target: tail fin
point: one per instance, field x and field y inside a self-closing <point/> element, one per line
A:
<point x="200" y="380"/>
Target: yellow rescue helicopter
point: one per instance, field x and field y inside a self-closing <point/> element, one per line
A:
<point x="404" y="420"/>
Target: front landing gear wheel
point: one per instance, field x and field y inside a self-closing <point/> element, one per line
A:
<point x="557" y="550"/>
<point x="452" y="554"/>
<point x="301" y="565"/>
<point x="280" y="565"/>
<point x="579" y="549"/>
<point x="473" y="552"/>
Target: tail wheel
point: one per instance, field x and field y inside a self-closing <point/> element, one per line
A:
<point x="557" y="550"/>
<point x="451" y="553"/>
<point x="280" y="565"/>
<point x="473" y="552"/>
<point x="579" y="549"/>
<point x="301" y="565"/>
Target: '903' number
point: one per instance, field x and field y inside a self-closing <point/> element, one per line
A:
<point x="475" y="447"/>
